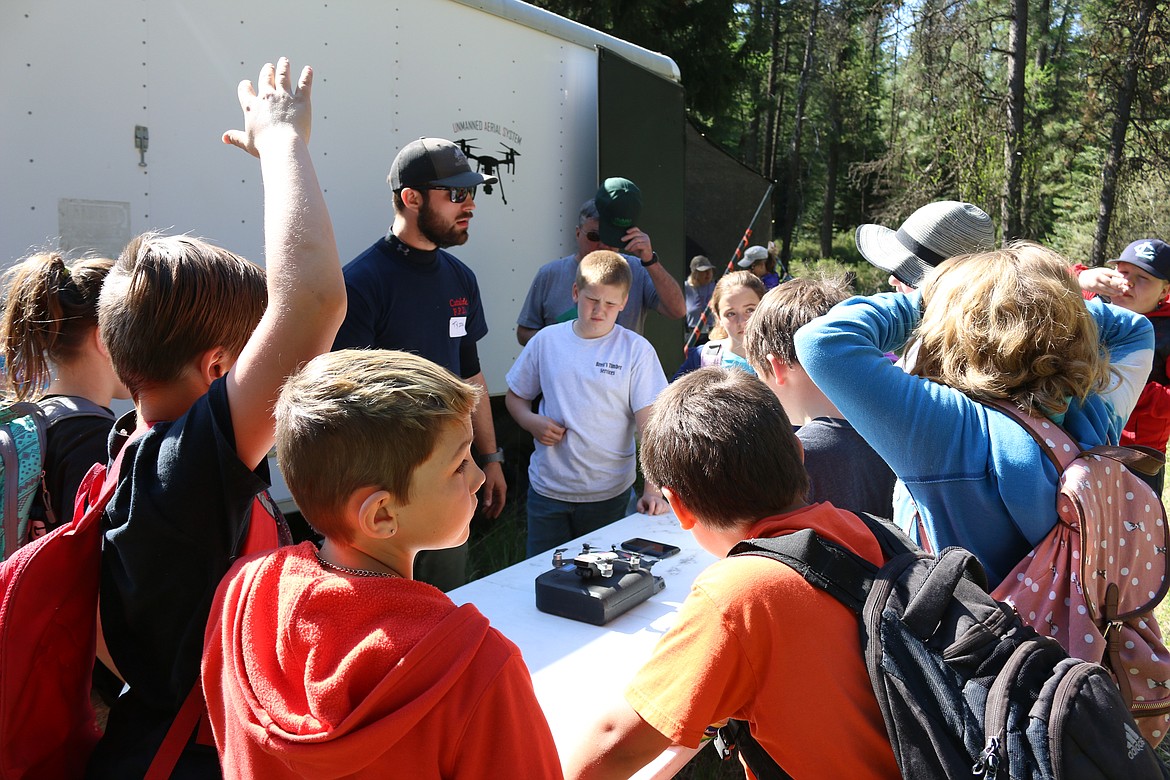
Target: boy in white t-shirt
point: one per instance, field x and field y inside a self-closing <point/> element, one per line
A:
<point x="598" y="381"/>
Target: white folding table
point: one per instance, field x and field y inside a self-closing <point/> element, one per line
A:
<point x="580" y="670"/>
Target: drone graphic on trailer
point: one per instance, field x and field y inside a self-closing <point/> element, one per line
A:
<point x="489" y="165"/>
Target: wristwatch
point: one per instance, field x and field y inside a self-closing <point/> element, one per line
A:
<point x="653" y="259"/>
<point x="492" y="457"/>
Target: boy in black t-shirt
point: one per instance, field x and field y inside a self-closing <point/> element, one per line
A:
<point x="190" y="335"/>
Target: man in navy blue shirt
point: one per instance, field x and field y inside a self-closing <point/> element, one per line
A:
<point x="406" y="293"/>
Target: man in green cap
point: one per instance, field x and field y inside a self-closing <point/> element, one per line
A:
<point x="607" y="221"/>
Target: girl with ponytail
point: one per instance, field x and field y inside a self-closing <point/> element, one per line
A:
<point x="54" y="356"/>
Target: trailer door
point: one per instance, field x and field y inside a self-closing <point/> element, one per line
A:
<point x="641" y="131"/>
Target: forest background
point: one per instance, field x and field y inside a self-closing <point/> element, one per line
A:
<point x="1051" y="115"/>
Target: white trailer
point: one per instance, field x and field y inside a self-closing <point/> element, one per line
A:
<point x="111" y="114"/>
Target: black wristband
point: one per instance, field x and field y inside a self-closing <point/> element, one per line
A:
<point x="491" y="457"/>
<point x="653" y="259"/>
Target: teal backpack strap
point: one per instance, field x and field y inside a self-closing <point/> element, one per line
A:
<point x="22" y="449"/>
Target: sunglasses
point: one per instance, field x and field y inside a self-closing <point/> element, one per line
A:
<point x="593" y="236"/>
<point x="458" y="194"/>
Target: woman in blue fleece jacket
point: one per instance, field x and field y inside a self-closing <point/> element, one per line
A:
<point x="1008" y="324"/>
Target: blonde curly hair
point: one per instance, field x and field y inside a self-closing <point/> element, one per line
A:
<point x="1010" y="324"/>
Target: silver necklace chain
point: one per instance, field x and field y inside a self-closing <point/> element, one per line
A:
<point x="354" y="572"/>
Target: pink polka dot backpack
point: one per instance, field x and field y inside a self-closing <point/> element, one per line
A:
<point x="1094" y="580"/>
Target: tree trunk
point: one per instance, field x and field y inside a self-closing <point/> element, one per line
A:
<point x="1043" y="33"/>
<point x="769" y="158"/>
<point x="1066" y="17"/>
<point x="792" y="195"/>
<point x="752" y="144"/>
<point x="1041" y="37"/>
<point x="832" y="162"/>
<point x="833" y="154"/>
<point x="1116" y="153"/>
<point x="770" y="171"/>
<point x="1012" y="155"/>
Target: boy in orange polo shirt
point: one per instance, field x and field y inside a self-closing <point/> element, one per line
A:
<point x="753" y="641"/>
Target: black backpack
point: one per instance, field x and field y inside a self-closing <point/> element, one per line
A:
<point x="966" y="689"/>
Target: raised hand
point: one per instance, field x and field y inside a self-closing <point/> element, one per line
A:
<point x="638" y="244"/>
<point x="274" y="108"/>
<point x="1103" y="281"/>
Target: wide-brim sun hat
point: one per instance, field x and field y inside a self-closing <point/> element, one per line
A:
<point x="934" y="233"/>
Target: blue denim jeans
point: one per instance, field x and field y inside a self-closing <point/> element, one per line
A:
<point x="551" y="522"/>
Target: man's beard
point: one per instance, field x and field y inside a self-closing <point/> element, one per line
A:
<point x="430" y="224"/>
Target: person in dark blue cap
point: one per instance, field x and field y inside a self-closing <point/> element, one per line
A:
<point x="406" y="292"/>
<point x="1139" y="280"/>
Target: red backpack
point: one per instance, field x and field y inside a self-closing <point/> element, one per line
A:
<point x="48" y="635"/>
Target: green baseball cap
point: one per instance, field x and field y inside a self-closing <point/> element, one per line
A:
<point x="619" y="203"/>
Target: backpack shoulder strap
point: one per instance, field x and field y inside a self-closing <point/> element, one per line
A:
<point x="265" y="530"/>
<point x="892" y="539"/>
<point x="736" y="735"/>
<point x="1054" y="441"/>
<point x="98" y="485"/>
<point x="1062" y="449"/>
<point x="178" y="735"/>
<point x="849" y="578"/>
<point x="13" y="446"/>
<point x="824" y="564"/>
<point x="1144" y="460"/>
<point x="710" y="354"/>
<point x="64" y="407"/>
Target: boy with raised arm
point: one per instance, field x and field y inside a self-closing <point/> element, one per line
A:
<point x="336" y="660"/>
<point x="191" y="336"/>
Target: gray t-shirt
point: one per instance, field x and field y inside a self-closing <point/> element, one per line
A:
<point x="550" y="297"/>
<point x="843" y="469"/>
<point x="592" y="387"/>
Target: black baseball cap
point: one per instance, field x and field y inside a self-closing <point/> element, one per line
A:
<point x="1152" y="255"/>
<point x="433" y="162"/>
